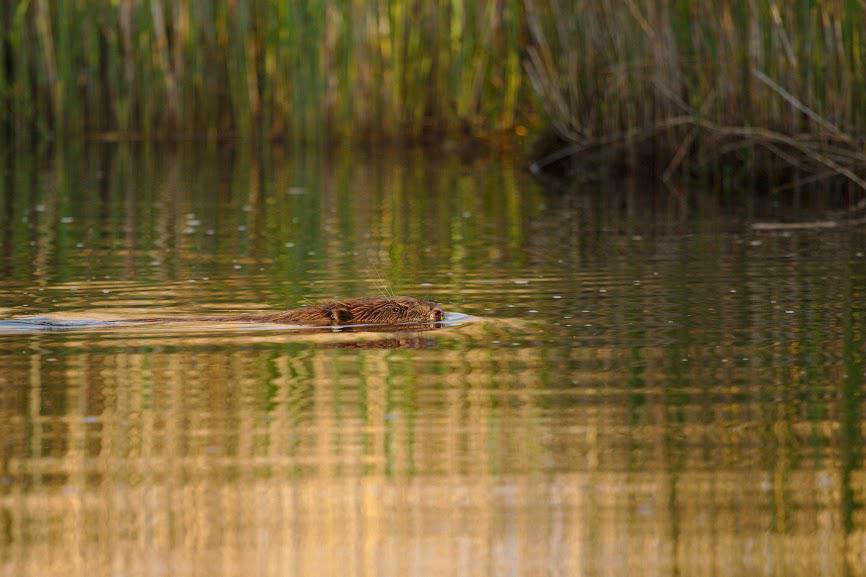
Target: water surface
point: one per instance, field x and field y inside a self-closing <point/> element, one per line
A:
<point x="650" y="388"/>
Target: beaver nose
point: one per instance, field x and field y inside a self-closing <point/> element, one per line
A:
<point x="437" y="314"/>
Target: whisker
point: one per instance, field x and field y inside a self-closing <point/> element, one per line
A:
<point x="386" y="292"/>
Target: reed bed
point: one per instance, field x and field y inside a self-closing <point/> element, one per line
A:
<point x="302" y="69"/>
<point x="773" y="85"/>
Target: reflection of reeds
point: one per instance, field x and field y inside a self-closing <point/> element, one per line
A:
<point x="117" y="456"/>
<point x="780" y="81"/>
<point x="301" y="69"/>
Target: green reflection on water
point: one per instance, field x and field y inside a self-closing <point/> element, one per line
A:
<point x="650" y="388"/>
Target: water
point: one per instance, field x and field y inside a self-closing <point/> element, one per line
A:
<point x="646" y="387"/>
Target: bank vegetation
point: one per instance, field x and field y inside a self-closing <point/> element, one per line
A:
<point x="772" y="90"/>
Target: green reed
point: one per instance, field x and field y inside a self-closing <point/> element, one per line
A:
<point x="301" y="69"/>
<point x="697" y="79"/>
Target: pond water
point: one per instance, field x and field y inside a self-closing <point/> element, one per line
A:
<point x="646" y="386"/>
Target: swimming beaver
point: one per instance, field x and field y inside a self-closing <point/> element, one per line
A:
<point x="357" y="311"/>
<point x="382" y="311"/>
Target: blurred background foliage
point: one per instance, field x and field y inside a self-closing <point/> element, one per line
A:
<point x="697" y="79"/>
<point x="294" y="69"/>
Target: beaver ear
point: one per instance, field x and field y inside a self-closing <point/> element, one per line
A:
<point x="339" y="315"/>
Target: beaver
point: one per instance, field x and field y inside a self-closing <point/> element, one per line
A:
<point x="379" y="311"/>
<point x="355" y="311"/>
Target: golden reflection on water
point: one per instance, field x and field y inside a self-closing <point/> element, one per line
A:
<point x="646" y="391"/>
<point x="195" y="463"/>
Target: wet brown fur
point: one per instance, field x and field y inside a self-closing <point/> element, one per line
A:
<point x="360" y="311"/>
<point x="356" y="311"/>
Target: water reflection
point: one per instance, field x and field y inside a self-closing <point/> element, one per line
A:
<point x="651" y="389"/>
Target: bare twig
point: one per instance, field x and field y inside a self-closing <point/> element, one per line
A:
<point x="807" y="225"/>
<point x="687" y="142"/>
<point x="807" y="180"/>
<point x="792" y="100"/>
<point x="810" y="225"/>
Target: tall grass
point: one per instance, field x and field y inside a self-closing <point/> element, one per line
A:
<point x="781" y="80"/>
<point x="280" y="68"/>
<point x="765" y="82"/>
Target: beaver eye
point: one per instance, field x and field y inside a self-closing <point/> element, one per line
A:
<point x="396" y="310"/>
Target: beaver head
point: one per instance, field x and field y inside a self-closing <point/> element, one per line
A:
<point x="365" y="311"/>
<point x="390" y="311"/>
